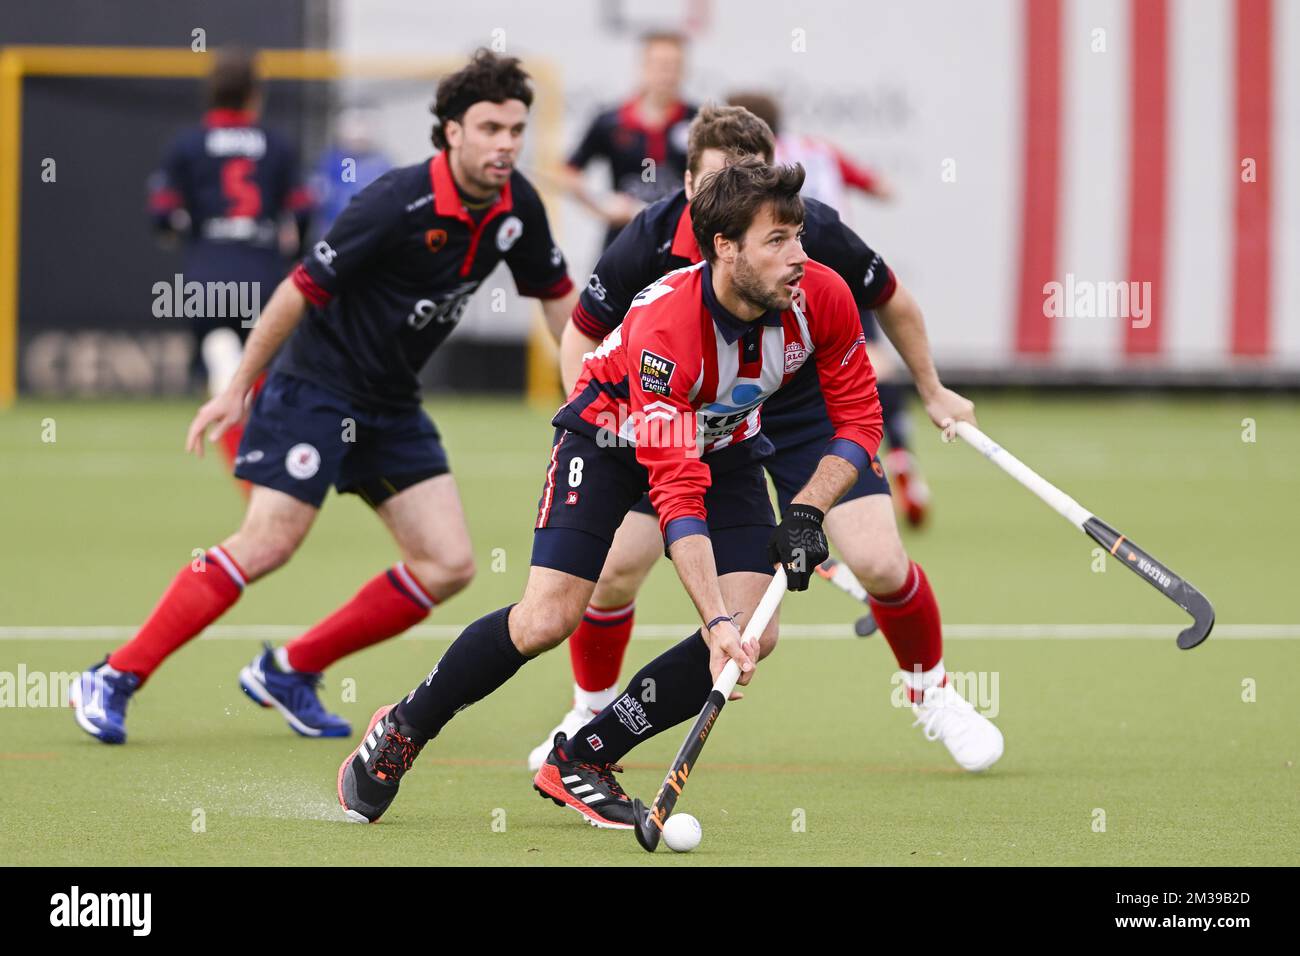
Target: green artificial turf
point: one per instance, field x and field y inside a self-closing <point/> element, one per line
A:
<point x="816" y="766"/>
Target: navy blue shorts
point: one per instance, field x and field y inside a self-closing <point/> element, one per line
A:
<point x="797" y="453"/>
<point x="590" y="489"/>
<point x="301" y="438"/>
<point x="796" y="458"/>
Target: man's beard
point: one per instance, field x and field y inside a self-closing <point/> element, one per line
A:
<point x="470" y="179"/>
<point x="750" y="288"/>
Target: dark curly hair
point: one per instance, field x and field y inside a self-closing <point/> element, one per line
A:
<point x="486" y="77"/>
<point x="727" y="201"/>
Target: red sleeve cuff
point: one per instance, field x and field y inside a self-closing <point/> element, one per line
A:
<point x="165" y="200"/>
<point x="299" y="199"/>
<point x="886" y="293"/>
<point x="588" y="324"/>
<point x="556" y="290"/>
<point x="312" y="292"/>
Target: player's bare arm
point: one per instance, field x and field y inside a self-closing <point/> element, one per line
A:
<point x="833" y="477"/>
<point x="557" y="312"/>
<point x="693" y="558"/>
<point x="903" y="323"/>
<point x="280" y="317"/>
<point x="574" y="344"/>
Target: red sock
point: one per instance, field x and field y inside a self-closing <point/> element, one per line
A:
<point x="909" y="619"/>
<point x="195" y="598"/>
<point x="386" y="605"/>
<point x="596" y="648"/>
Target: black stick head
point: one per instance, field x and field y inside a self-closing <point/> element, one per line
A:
<point x="1202" y="611"/>
<point x="647" y="834"/>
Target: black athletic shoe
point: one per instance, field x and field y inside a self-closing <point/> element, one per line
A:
<point x="369" y="778"/>
<point x="589" y="788"/>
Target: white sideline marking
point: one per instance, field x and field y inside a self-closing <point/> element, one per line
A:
<point x="806" y="632"/>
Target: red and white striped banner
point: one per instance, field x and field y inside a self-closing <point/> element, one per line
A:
<point x="1155" y="134"/>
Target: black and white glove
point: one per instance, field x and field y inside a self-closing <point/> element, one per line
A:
<point x="799" y="545"/>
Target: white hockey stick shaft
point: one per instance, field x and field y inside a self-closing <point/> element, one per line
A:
<point x="1057" y="499"/>
<point x="767" y="606"/>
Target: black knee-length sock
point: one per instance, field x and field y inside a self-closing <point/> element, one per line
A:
<point x="670" y="689"/>
<point x="477" y="663"/>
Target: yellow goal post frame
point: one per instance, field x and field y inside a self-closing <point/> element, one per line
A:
<point x="20" y="61"/>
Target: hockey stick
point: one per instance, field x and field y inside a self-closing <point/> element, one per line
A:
<point x="838" y="574"/>
<point x="1140" y="562"/>
<point x="650" y="820"/>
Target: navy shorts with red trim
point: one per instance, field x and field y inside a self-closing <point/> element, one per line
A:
<point x="301" y="438"/>
<point x="798" y="451"/>
<point x="589" y="489"/>
<point x="797" y="456"/>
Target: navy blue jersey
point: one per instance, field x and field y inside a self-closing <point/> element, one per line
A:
<point x="660" y="239"/>
<point x="395" y="272"/>
<point x="236" y="180"/>
<point x="619" y="137"/>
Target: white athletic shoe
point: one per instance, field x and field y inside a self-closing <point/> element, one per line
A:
<point x="972" y="739"/>
<point x="573" y="721"/>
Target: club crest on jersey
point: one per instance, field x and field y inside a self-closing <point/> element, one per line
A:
<point x="509" y="233"/>
<point x="795" y="355"/>
<point x="435" y="239"/>
<point x="656" y="373"/>
<point x="595" y="743"/>
<point x="303" y="461"/>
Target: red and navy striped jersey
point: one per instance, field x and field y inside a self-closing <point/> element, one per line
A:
<point x="395" y="272"/>
<point x="234" y="177"/>
<point x="682" y="378"/>
<point x="660" y="239"/>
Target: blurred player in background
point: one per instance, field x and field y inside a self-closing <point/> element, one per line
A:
<point x="643" y="140"/>
<point x="230" y="188"/>
<point x="862" y="526"/>
<point x="831" y="175"/>
<point x="346" y="167"/>
<point x="358" y="318"/>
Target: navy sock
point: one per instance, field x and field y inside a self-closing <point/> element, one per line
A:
<point x="893" y="409"/>
<point x="477" y="663"/>
<point x="670" y="689"/>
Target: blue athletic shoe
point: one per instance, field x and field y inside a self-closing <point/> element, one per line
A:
<point x="293" y="695"/>
<point x="99" y="698"/>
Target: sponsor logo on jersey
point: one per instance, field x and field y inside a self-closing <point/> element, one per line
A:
<point x="509" y="233"/>
<point x="435" y="239"/>
<point x="422" y="201"/>
<point x="325" y="255"/>
<point x="571" y="498"/>
<point x="596" y="288"/>
<point x="795" y="356"/>
<point x="303" y="461"/>
<point x="557" y="257"/>
<point x="595" y="743"/>
<point x="656" y="373"/>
